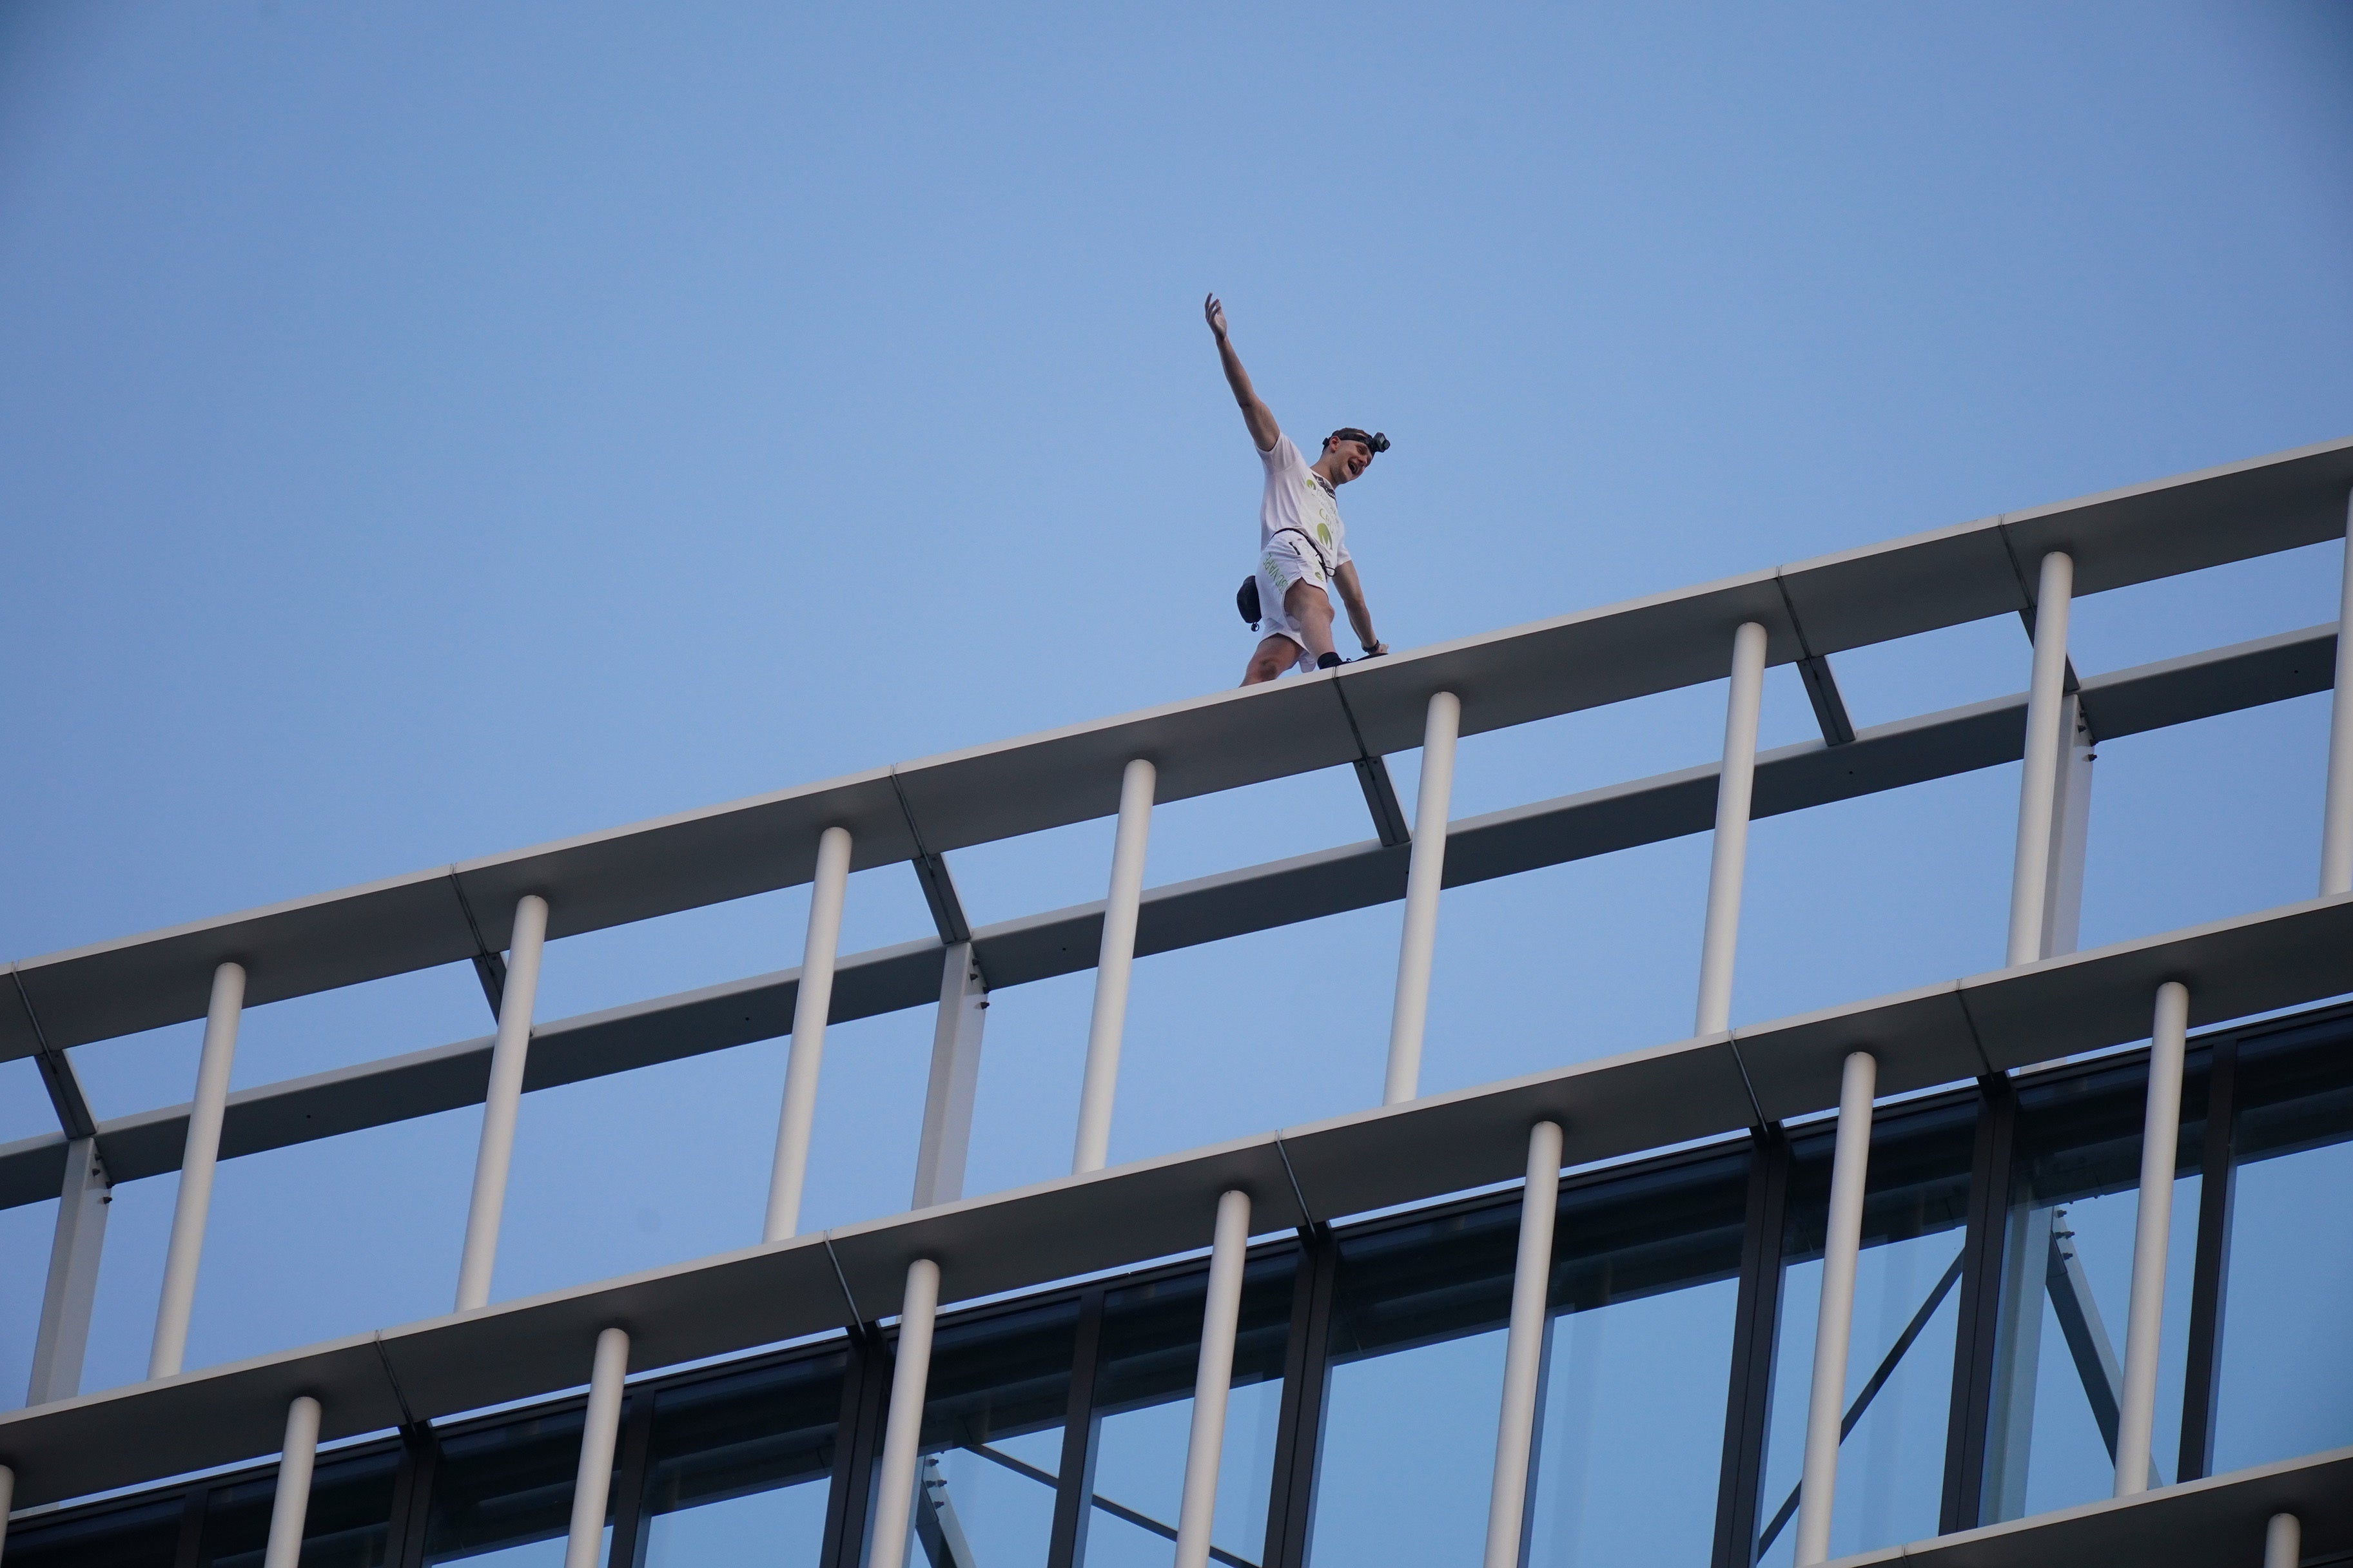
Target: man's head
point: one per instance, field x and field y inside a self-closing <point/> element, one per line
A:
<point x="1348" y="452"/>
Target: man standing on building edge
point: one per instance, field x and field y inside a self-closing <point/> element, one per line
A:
<point x="1303" y="548"/>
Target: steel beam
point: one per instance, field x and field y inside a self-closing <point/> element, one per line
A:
<point x="1224" y="741"/>
<point x="2045" y="737"/>
<point x="1186" y="914"/>
<point x="1835" y="1324"/>
<point x="812" y="1007"/>
<point x="290" y="1505"/>
<point x="75" y="1248"/>
<point x="1425" y="877"/>
<point x="502" y="1104"/>
<point x="894" y="1488"/>
<point x="1213" y="1379"/>
<point x="1114" y="963"/>
<point x="1349" y="1164"/>
<point x="1727" y="865"/>
<point x="946" y="1136"/>
<point x="1524" y="1351"/>
<point x="2160" y="1135"/>
<point x="192" y="1206"/>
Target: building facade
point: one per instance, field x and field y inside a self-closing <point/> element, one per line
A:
<point x="1945" y="1275"/>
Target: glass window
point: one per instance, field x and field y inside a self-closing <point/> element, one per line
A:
<point x="1630" y="1422"/>
<point x="347" y="1525"/>
<point x="2286" y="1383"/>
<point x="146" y="1536"/>
<point x="1418" y="1318"/>
<point x="1144" y="1416"/>
<point x="739" y="1469"/>
<point x="1900" y="1351"/>
<point x="992" y="1441"/>
<point x="2067" y="1248"/>
<point x="502" y="1495"/>
<point x="1645" y="1284"/>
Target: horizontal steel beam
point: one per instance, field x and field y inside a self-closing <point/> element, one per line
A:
<point x="1221" y="741"/>
<point x="1188" y="914"/>
<point x="1695" y="1089"/>
<point x="2213" y="1523"/>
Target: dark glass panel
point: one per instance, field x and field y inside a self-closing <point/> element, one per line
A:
<point x="739" y="1467"/>
<point x="1907" y="1308"/>
<point x="2067" y="1248"/>
<point x="146" y="1535"/>
<point x="1645" y="1280"/>
<point x="2286" y="1383"/>
<point x="1144" y="1415"/>
<point x="347" y="1524"/>
<point x="1631" y="1420"/>
<point x="502" y="1494"/>
<point x="992" y="1437"/>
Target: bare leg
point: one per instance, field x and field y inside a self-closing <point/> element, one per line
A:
<point x="1310" y="609"/>
<point x="1273" y="656"/>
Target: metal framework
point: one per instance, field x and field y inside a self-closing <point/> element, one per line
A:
<point x="2047" y="1003"/>
<point x="867" y="1352"/>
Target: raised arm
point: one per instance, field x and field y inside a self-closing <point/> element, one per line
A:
<point x="1255" y="413"/>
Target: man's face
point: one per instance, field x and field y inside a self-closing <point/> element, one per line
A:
<point x="1354" y="458"/>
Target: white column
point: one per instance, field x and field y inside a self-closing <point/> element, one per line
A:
<point x="291" y="1502"/>
<point x="2159" y="1136"/>
<point x="592" y="1485"/>
<point x="502" y="1102"/>
<point x="7" y="1501"/>
<point x="811" y="1005"/>
<point x="201" y="1152"/>
<point x="2283" y="1542"/>
<point x="1213" y="1380"/>
<point x="75" y="1248"/>
<point x="2046" y="702"/>
<point x="895" y="1490"/>
<point x="2336" y="814"/>
<point x="1112" y="968"/>
<point x="956" y="1078"/>
<point x="1843" y="1240"/>
<point x="1523" y="1348"/>
<point x="2070" y="826"/>
<point x="1729" y="863"/>
<point x="1425" y="874"/>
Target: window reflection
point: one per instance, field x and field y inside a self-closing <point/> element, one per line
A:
<point x="1630" y="1433"/>
<point x="2286" y="1385"/>
<point x="502" y="1495"/>
<point x="1417" y="1325"/>
<point x="2067" y="1248"/>
<point x="1144" y="1416"/>
<point x="1899" y="1368"/>
<point x="1631" y="1424"/>
<point x="738" y="1469"/>
<point x="992" y="1439"/>
<point x="146" y="1536"/>
<point x="348" y="1523"/>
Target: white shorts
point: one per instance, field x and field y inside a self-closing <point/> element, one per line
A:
<point x="1281" y="563"/>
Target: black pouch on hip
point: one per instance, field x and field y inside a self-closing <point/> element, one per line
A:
<point x="1246" y="600"/>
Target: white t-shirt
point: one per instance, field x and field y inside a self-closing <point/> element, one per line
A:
<point x="1295" y="497"/>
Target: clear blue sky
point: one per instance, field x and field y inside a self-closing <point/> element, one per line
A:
<point x="426" y="430"/>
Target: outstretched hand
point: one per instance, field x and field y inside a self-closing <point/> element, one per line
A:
<point x="1214" y="312"/>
